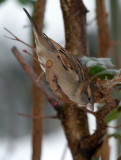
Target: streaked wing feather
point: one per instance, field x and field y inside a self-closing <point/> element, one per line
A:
<point x="69" y="61"/>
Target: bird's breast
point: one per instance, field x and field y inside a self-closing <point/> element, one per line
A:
<point x="65" y="79"/>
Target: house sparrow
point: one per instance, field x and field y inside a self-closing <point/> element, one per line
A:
<point x="70" y="75"/>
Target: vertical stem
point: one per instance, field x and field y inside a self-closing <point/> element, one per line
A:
<point x="115" y="28"/>
<point x="104" y="47"/>
<point x="74" y="13"/>
<point x="103" y="29"/>
<point x="115" y="12"/>
<point x="37" y="95"/>
<point x="105" y="150"/>
<point x="74" y="120"/>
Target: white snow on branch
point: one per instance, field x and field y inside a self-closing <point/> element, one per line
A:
<point x="92" y="61"/>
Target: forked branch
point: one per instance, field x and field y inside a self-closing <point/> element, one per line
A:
<point x="17" y="39"/>
<point x="32" y="75"/>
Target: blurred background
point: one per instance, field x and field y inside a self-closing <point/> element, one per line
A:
<point x="15" y="86"/>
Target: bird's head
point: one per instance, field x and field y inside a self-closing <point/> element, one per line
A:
<point x="85" y="95"/>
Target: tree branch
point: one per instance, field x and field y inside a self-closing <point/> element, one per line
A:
<point x="17" y="39"/>
<point x="104" y="43"/>
<point x="74" y="13"/>
<point x="38" y="101"/>
<point x="74" y="120"/>
<point x="33" y="76"/>
<point x="103" y="29"/>
<point x="92" y="142"/>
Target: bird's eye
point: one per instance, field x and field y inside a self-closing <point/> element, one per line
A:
<point x="89" y="99"/>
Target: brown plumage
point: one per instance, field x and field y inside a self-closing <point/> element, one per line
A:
<point x="70" y="75"/>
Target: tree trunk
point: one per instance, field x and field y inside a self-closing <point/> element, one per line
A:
<point x="74" y="14"/>
<point x="74" y="120"/>
<point x="37" y="95"/>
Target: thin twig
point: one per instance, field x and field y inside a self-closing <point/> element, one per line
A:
<point x="40" y="76"/>
<point x="38" y="117"/>
<point x="87" y="110"/>
<point x="115" y="127"/>
<point x="64" y="152"/>
<point x="17" y="39"/>
<point x="110" y="84"/>
<point x="25" y="51"/>
<point x="33" y="76"/>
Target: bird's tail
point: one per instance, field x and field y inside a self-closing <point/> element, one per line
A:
<point x="41" y="38"/>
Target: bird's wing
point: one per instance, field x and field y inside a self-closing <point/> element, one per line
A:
<point x="69" y="61"/>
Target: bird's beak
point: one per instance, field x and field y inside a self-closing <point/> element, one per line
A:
<point x="35" y="28"/>
<point x="90" y="106"/>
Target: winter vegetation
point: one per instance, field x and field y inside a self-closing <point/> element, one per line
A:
<point x="102" y="66"/>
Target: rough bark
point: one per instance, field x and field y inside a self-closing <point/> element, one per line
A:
<point x="82" y="144"/>
<point x="37" y="95"/>
<point x="105" y="150"/>
<point x="74" y="14"/>
<point x="74" y="120"/>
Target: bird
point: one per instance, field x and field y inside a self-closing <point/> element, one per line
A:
<point x="70" y="74"/>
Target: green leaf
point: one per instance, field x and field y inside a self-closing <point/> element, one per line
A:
<point x="104" y="76"/>
<point x="113" y="115"/>
<point x="24" y="2"/>
<point x="115" y="135"/>
<point x="96" y="69"/>
<point x="109" y="73"/>
<point x="1" y="1"/>
<point x="102" y="72"/>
